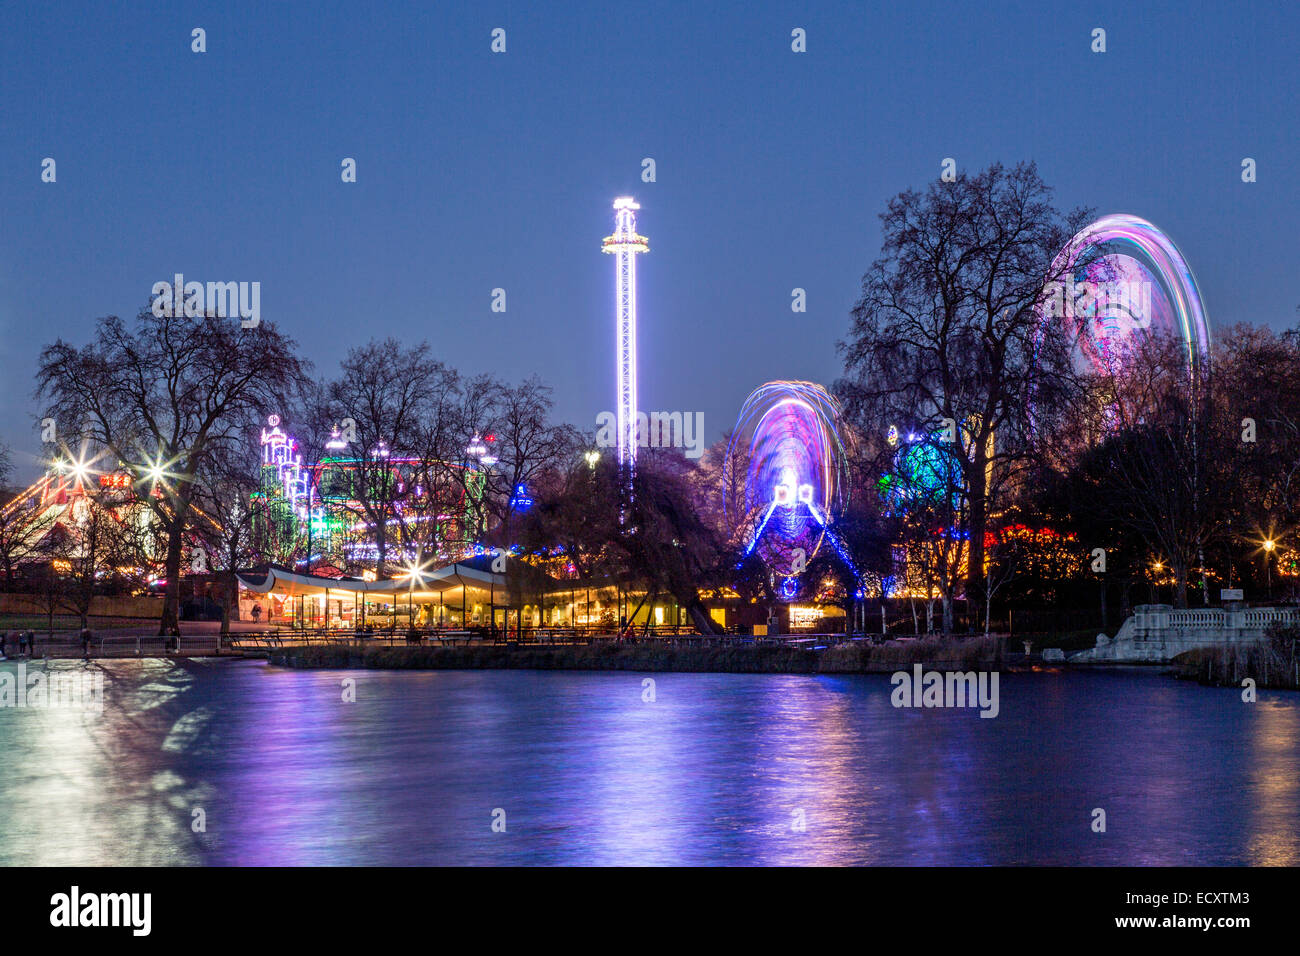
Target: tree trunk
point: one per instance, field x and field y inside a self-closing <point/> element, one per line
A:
<point x="631" y="627"/>
<point x="975" y="583"/>
<point x="230" y="592"/>
<point x="381" y="549"/>
<point x="170" y="621"/>
<point x="703" y="623"/>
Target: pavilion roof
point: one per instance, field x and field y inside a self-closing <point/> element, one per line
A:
<point x="280" y="580"/>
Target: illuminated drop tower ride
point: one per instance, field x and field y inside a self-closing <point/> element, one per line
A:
<point x="625" y="243"/>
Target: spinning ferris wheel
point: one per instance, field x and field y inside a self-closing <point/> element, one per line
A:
<point x="788" y="444"/>
<point x="1125" y="282"/>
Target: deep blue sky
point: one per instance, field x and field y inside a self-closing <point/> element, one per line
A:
<point x="479" y="170"/>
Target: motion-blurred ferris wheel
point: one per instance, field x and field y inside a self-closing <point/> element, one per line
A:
<point x="794" y="485"/>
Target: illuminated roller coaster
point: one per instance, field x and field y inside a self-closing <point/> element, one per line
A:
<point x="795" y="481"/>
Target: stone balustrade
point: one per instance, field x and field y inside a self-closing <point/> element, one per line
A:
<point x="1158" y="632"/>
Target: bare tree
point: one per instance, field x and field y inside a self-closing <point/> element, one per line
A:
<point x="1159" y="457"/>
<point x="24" y="523"/>
<point x="103" y="546"/>
<point x="228" y="499"/>
<point x="161" y="398"/>
<point x="947" y="336"/>
<point x="386" y="394"/>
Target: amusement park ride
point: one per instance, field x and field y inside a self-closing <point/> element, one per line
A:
<point x="1128" y="281"/>
<point x="625" y="243"/>
<point x="317" y="501"/>
<point x="794" y="483"/>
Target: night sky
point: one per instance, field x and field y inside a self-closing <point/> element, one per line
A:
<point x="479" y="170"/>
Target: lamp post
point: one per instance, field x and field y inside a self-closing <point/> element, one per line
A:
<point x="1269" y="545"/>
<point x="415" y="570"/>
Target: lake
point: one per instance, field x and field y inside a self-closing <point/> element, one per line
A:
<point x="580" y="768"/>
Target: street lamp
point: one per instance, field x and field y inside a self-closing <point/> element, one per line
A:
<point x="415" y="572"/>
<point x="592" y="457"/>
<point x="1269" y="545"/>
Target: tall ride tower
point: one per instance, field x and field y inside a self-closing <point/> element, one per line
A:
<point x="625" y="243"/>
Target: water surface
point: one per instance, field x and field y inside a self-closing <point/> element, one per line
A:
<point x="718" y="769"/>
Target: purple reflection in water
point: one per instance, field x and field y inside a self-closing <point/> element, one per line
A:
<point x="713" y="771"/>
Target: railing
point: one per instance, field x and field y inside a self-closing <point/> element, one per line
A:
<point x="1267" y="616"/>
<point x="530" y="636"/>
<point x="195" y="645"/>
<point x="1198" y="617"/>
<point x="116" y="645"/>
<point x="1160" y="622"/>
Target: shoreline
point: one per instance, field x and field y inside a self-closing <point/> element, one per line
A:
<point x="843" y="659"/>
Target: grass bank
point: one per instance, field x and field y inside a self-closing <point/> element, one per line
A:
<point x="857" y="658"/>
<point x="1273" y="663"/>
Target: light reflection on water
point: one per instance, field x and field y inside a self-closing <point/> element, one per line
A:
<point x="713" y="771"/>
